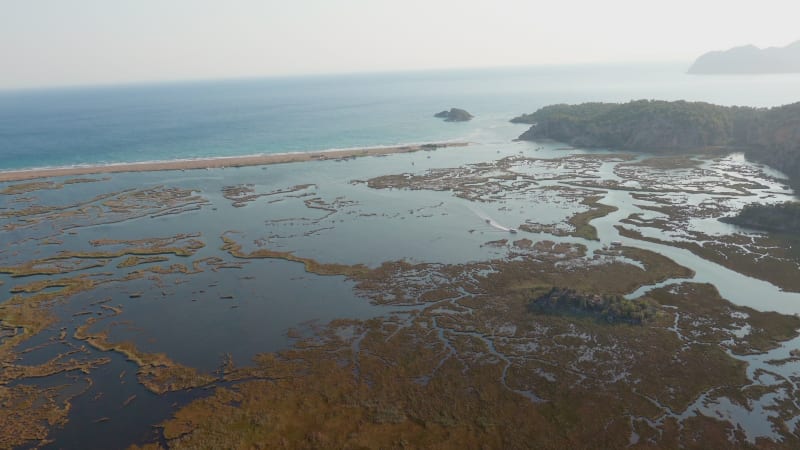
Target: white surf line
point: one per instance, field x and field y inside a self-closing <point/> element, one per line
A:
<point x="491" y="222"/>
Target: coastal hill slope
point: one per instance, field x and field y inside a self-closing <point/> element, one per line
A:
<point x="767" y="135"/>
<point x="749" y="59"/>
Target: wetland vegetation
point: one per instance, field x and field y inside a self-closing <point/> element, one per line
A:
<point x="150" y="302"/>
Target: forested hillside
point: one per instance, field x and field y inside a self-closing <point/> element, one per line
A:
<point x="770" y="136"/>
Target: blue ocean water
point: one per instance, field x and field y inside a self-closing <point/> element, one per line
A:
<point x="146" y="122"/>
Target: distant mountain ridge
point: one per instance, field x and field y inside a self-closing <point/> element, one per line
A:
<point x="750" y="59"/>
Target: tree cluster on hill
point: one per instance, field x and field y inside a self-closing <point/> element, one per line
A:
<point x="638" y="125"/>
<point x="773" y="138"/>
<point x="611" y="308"/>
<point x="784" y="217"/>
<point x="767" y="135"/>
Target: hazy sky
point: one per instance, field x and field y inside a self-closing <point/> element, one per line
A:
<point x="65" y="42"/>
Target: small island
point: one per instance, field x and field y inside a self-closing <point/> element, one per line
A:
<point x="454" y="115"/>
<point x="749" y="59"/>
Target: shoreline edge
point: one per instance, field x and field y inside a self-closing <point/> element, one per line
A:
<point x="220" y="162"/>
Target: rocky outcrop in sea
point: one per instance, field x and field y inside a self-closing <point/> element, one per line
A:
<point x="454" y="115"/>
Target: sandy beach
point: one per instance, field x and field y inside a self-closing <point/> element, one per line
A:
<point x="221" y="162"/>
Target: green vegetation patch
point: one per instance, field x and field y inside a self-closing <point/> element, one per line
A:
<point x="609" y="308"/>
<point x="784" y="217"/>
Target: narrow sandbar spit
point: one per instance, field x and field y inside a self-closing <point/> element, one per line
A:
<point x="220" y="162"/>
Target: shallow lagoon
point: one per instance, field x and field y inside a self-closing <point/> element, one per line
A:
<point x="241" y="307"/>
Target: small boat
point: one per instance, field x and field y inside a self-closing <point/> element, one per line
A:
<point x="512" y="231"/>
<point x="616" y="243"/>
<point x="489" y="221"/>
